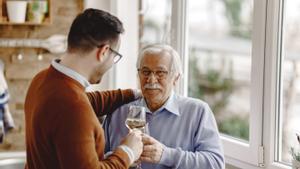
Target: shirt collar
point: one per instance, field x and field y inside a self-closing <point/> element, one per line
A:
<point x="71" y="73"/>
<point x="171" y="105"/>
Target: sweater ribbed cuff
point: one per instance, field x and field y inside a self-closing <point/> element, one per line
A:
<point x="129" y="153"/>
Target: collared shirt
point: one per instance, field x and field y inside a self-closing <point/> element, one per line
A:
<point x="185" y="126"/>
<point x="71" y="73"/>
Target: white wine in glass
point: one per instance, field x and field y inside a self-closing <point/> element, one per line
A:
<point x="135" y="123"/>
<point x="136" y="119"/>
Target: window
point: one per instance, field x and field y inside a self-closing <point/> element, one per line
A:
<point x="241" y="56"/>
<point x="220" y="47"/>
<point x="290" y="81"/>
<point x="225" y="68"/>
<point x="155" y="21"/>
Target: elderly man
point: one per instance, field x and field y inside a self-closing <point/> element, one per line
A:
<point x="181" y="132"/>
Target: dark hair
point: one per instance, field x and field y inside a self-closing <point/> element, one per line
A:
<point x="92" y="28"/>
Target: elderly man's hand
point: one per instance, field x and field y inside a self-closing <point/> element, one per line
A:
<point x="152" y="151"/>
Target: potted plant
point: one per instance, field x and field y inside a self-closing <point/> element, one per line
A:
<point x="37" y="10"/>
<point x="16" y="10"/>
<point x="296" y="154"/>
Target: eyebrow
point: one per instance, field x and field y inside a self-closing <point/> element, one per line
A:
<point x="157" y="68"/>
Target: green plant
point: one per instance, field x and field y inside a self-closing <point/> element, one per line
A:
<point x="295" y="152"/>
<point x="211" y="85"/>
<point x="235" y="126"/>
<point x="233" y="11"/>
<point x="215" y="86"/>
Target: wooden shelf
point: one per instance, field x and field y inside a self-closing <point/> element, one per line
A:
<point x="44" y="23"/>
<point x="4" y="17"/>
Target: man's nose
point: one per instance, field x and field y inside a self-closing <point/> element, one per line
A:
<point x="152" y="78"/>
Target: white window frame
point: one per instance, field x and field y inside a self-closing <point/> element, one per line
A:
<point x="179" y="39"/>
<point x="273" y="90"/>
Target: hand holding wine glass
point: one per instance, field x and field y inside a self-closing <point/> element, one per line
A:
<point x="134" y="141"/>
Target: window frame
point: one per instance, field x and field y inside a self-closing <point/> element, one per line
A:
<point x="273" y="88"/>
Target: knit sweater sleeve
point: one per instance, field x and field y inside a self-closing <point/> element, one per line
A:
<point x="108" y="101"/>
<point x="74" y="140"/>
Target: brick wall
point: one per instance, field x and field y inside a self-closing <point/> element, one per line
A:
<point x="19" y="73"/>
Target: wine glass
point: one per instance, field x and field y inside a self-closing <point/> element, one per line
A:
<point x="136" y="119"/>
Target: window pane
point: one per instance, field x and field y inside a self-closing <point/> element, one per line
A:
<point x="290" y="116"/>
<point x="155" y="21"/>
<point x="220" y="60"/>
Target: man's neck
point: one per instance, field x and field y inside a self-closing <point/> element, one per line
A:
<point x="77" y="64"/>
<point x="153" y="106"/>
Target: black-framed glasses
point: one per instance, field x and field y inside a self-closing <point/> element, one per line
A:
<point x="159" y="74"/>
<point x="117" y="56"/>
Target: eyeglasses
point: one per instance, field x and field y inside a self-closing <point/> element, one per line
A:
<point x="159" y="74"/>
<point x="117" y="56"/>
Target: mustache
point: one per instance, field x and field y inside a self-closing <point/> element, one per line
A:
<point x="152" y="86"/>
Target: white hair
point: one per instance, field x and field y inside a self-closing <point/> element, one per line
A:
<point x="162" y="50"/>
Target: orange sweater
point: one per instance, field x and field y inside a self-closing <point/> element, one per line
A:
<point x="62" y="129"/>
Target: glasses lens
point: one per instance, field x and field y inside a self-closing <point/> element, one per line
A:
<point x="116" y="58"/>
<point x="145" y="73"/>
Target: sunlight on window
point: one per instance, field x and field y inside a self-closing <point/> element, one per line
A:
<point x="155" y="21"/>
<point x="220" y="60"/>
<point x="290" y="116"/>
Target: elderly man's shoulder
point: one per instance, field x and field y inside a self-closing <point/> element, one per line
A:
<point x="192" y="102"/>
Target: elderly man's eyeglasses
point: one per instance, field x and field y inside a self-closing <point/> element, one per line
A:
<point x="159" y="74"/>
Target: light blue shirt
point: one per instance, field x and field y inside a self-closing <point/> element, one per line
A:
<point x="185" y="126"/>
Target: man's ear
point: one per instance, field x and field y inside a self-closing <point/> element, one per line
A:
<point x="176" y="79"/>
<point x="101" y="52"/>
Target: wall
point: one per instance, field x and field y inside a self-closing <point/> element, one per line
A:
<point x="19" y="72"/>
<point x="123" y="74"/>
<point x="125" y="71"/>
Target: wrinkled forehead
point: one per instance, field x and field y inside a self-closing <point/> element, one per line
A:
<point x="157" y="60"/>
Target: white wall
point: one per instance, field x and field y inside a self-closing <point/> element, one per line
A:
<point x="123" y="74"/>
<point x="98" y="4"/>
